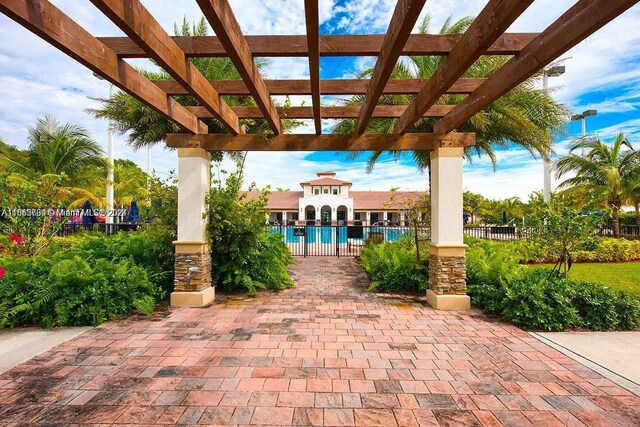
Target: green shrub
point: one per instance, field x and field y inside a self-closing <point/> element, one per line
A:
<point x="537" y="298"/>
<point x="65" y="289"/>
<point x="540" y="300"/>
<point x="245" y="255"/>
<point x="393" y="267"/>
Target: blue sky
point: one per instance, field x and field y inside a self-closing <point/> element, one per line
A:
<point x="603" y="72"/>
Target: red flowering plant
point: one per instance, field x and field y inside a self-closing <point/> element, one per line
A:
<point x="3" y="271"/>
<point x="26" y="228"/>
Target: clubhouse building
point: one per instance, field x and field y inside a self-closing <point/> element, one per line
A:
<point x="327" y="200"/>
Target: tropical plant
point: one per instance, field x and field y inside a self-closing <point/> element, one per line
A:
<point x="525" y="116"/>
<point x="62" y="155"/>
<point x="245" y="254"/>
<point x="144" y="126"/>
<point x="130" y="183"/>
<point x="393" y="267"/>
<point x="605" y="171"/>
<point x="562" y="228"/>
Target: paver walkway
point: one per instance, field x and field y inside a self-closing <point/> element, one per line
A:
<point x="325" y="352"/>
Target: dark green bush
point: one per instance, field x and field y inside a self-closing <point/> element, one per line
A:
<point x="65" y="289"/>
<point x="537" y="298"/>
<point x="150" y="248"/>
<point x="245" y="255"/>
<point x="393" y="267"/>
<point x="540" y="301"/>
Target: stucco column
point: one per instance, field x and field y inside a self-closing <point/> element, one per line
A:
<point x="192" y="283"/>
<point x="447" y="270"/>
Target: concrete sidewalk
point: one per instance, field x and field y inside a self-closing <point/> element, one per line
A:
<point x="21" y="344"/>
<point x="615" y="355"/>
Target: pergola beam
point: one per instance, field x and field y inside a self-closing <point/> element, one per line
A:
<point x="226" y="27"/>
<point x="52" y="25"/>
<point x="312" y="142"/>
<point x="579" y="22"/>
<point x="313" y="46"/>
<point x="462" y="86"/>
<point x="136" y="21"/>
<point x="493" y="20"/>
<point x="341" y="112"/>
<point x="404" y="18"/>
<point x="330" y="45"/>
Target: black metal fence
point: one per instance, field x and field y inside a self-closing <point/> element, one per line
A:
<point x="348" y="240"/>
<point x="336" y="240"/>
<point x="69" y="229"/>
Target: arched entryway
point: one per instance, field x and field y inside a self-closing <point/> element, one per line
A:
<point x="310" y="213"/>
<point x="342" y="215"/>
<point x="325" y="214"/>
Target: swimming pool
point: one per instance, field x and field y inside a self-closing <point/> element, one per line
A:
<point x="331" y="233"/>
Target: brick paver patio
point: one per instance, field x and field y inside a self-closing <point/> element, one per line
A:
<point x="326" y="352"/>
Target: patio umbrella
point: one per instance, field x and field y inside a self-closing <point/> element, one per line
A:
<point x="88" y="216"/>
<point x="134" y="213"/>
<point x="504" y="217"/>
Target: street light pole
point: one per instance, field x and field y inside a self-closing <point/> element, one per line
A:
<point x="110" y="167"/>
<point x="583" y="118"/>
<point x="549" y="72"/>
<point x="109" y="213"/>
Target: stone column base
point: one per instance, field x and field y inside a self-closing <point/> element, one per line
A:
<point x="192" y="279"/>
<point x="448" y="302"/>
<point x="448" y="278"/>
<point x="203" y="298"/>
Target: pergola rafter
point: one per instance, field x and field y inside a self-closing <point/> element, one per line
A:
<point x="52" y="25"/>
<point x="276" y="46"/>
<point x="327" y="87"/>
<point x="136" y="21"/>
<point x="332" y="142"/>
<point x="579" y="22"/>
<point x="313" y="46"/>
<point x="494" y="19"/>
<point x="403" y="19"/>
<point x="341" y="112"/>
<point x="224" y="23"/>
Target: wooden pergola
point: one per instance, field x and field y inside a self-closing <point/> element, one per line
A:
<point x="145" y="38"/>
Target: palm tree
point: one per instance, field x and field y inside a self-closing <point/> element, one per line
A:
<point x="525" y="116"/>
<point x="605" y="170"/>
<point x="130" y="183"/>
<point x="147" y="127"/>
<point x="61" y="154"/>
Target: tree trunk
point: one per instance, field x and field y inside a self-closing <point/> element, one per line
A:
<point x="637" y="206"/>
<point x="616" y="221"/>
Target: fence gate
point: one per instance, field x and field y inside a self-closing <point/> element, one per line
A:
<point x="334" y="240"/>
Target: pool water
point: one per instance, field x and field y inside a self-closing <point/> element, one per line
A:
<point x="327" y="234"/>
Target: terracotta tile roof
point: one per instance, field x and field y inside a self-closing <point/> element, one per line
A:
<point x="325" y="181"/>
<point x="383" y="200"/>
<point x="279" y="200"/>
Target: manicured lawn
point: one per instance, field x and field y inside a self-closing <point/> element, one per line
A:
<point x="623" y="276"/>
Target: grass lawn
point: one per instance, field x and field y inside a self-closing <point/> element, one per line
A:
<point x="622" y="276"/>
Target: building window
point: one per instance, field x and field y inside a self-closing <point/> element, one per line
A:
<point x="294" y="216"/>
<point x="335" y="191"/>
<point x="326" y="191"/>
<point x="316" y="191"/>
<point x="357" y="216"/>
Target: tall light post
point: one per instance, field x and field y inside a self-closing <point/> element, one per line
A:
<point x="583" y="118"/>
<point x="555" y="71"/>
<point x="110" y="198"/>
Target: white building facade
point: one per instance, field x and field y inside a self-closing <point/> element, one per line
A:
<point x="327" y="200"/>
